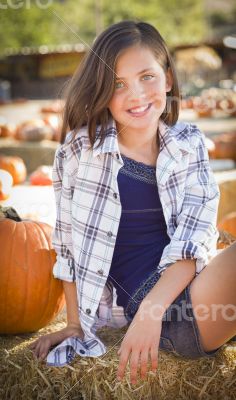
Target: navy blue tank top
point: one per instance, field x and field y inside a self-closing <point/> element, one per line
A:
<point x="142" y="233"/>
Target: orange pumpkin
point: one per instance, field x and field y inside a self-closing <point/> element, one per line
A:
<point x="55" y="123"/>
<point x="203" y="107"/>
<point x="6" y="182"/>
<point x="7" y="130"/>
<point x="15" y="166"/>
<point x="56" y="106"/>
<point x="204" y="112"/>
<point x="189" y="102"/>
<point x="42" y="176"/>
<point x="34" y="130"/>
<point x="226" y="105"/>
<point x="225" y="146"/>
<point x="228" y="223"/>
<point x="30" y="297"/>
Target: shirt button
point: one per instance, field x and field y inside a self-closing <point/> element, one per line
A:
<point x="117" y="156"/>
<point x="115" y="195"/>
<point x="82" y="351"/>
<point x="100" y="271"/>
<point x="109" y="234"/>
<point x="88" y="311"/>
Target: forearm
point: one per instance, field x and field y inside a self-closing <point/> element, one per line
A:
<point x="172" y="282"/>
<point x="71" y="303"/>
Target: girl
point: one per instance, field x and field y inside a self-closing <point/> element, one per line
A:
<point x="137" y="204"/>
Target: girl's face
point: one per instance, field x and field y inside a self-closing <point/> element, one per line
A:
<point x="139" y="98"/>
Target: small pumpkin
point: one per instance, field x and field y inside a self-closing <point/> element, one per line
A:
<point x="55" y="123"/>
<point x="226" y="105"/>
<point x="15" y="166"/>
<point x="7" y="130"/>
<point x="34" y="130"/>
<point x="190" y="102"/>
<point x="204" y="112"/>
<point x="41" y="176"/>
<point x="56" y="107"/>
<point x="6" y="182"/>
<point x="225" y="146"/>
<point x="203" y="107"/>
<point x="30" y="297"/>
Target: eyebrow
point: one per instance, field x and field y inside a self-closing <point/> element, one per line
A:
<point x="139" y="73"/>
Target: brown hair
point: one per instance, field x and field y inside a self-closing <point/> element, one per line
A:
<point x="91" y="87"/>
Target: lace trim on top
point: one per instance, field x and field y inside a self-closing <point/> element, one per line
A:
<point x="140" y="293"/>
<point x="138" y="170"/>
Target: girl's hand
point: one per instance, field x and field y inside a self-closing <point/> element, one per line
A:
<point x="42" y="345"/>
<point x="141" y="338"/>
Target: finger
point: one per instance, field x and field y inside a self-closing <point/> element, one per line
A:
<point x="33" y="344"/>
<point x="37" y="350"/>
<point x="43" y="354"/>
<point x="43" y="351"/>
<point x="134" y="361"/>
<point x="154" y="357"/>
<point x="124" y="356"/>
<point x="143" y="363"/>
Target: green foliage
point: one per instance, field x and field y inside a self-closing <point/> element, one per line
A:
<point x="73" y="21"/>
<point x="24" y="26"/>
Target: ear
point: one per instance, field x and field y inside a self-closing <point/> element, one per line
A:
<point x="169" y="80"/>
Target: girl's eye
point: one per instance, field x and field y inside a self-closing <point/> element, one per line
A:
<point x="119" y="85"/>
<point x="147" y="77"/>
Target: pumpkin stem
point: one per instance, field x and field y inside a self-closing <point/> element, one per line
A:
<point x="9" y="212"/>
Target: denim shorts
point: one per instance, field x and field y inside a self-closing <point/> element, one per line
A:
<point x="180" y="334"/>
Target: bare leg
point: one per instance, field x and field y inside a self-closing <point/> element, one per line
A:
<point x="215" y="289"/>
<point x="41" y="346"/>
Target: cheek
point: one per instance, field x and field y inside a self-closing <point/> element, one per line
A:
<point x="115" y="104"/>
<point x="158" y="95"/>
<point x="111" y="106"/>
<point x="159" y="87"/>
<point x="159" y="99"/>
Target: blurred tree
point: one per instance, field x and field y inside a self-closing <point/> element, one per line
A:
<point x="23" y="26"/>
<point x="179" y="21"/>
<point x="70" y="21"/>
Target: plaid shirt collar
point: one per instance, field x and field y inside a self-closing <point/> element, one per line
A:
<point x="171" y="138"/>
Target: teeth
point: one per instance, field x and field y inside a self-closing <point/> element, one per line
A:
<point x="139" y="109"/>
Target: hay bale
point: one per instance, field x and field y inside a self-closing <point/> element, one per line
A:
<point x="24" y="377"/>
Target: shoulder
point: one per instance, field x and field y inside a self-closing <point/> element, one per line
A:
<point x="70" y="151"/>
<point x="188" y="134"/>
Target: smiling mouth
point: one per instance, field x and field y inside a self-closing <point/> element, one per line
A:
<point x="139" y="111"/>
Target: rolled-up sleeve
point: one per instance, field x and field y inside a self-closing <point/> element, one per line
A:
<point x="61" y="237"/>
<point x="196" y="233"/>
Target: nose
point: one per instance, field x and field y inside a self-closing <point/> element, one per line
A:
<point x="136" y="92"/>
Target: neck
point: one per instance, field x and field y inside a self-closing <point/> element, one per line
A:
<point x="136" y="140"/>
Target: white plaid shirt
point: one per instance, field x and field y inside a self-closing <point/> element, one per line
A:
<point x="89" y="211"/>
